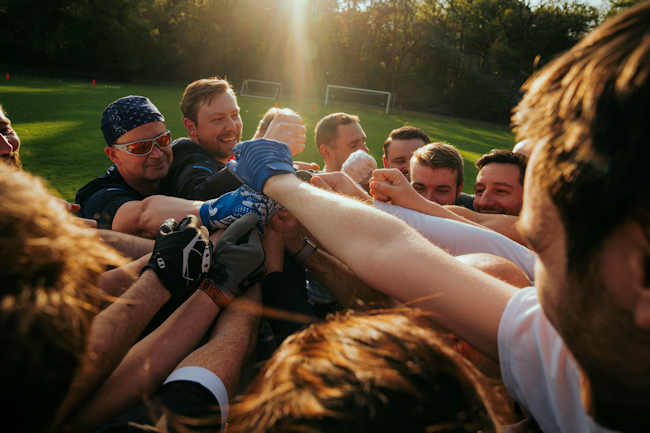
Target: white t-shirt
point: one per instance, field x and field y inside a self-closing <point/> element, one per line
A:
<point x="459" y="238"/>
<point x="538" y="370"/>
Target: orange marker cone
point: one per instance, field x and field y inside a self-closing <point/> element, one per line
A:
<point x="276" y="105"/>
<point x="93" y="82"/>
<point x="314" y="106"/>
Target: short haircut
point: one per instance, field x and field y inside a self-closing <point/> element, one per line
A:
<point x="50" y="265"/>
<point x="2" y="110"/>
<point x="504" y="157"/>
<point x="587" y="115"/>
<point x="201" y="92"/>
<point x="441" y="155"/>
<point x="270" y="114"/>
<point x="364" y="373"/>
<point x="406" y="133"/>
<point x="326" y="129"/>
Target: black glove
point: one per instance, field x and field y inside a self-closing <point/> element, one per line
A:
<point x="239" y="262"/>
<point x="182" y="254"/>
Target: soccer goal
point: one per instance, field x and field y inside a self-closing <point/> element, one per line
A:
<point x="261" y="89"/>
<point x="364" y="98"/>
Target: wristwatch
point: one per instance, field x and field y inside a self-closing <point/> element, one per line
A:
<point x="306" y="251"/>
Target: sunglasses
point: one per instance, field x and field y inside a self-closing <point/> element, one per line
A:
<point x="144" y="147"/>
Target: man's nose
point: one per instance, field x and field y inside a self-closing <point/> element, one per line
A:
<point x="5" y="146"/>
<point x="156" y="152"/>
<point x="486" y="199"/>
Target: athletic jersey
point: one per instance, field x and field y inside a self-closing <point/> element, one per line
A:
<point x="102" y="197"/>
<point x="194" y="175"/>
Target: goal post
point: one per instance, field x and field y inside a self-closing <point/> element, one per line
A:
<point x="261" y="89"/>
<point x="333" y="94"/>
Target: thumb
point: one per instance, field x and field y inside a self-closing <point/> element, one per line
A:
<point x="321" y="183"/>
<point x="381" y="190"/>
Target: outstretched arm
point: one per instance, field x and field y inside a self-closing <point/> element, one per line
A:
<point x="143" y="218"/>
<point x="391" y="257"/>
<point x="390" y="184"/>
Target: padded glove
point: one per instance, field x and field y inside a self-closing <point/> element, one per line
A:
<point x="223" y="211"/>
<point x="239" y="262"/>
<point x="257" y="160"/>
<point x="181" y="255"/>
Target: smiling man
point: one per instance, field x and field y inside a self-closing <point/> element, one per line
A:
<point x="214" y="125"/>
<point x="9" y="141"/>
<point x="499" y="184"/>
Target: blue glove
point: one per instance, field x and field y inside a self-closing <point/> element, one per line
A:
<point x="257" y="160"/>
<point x="223" y="211"/>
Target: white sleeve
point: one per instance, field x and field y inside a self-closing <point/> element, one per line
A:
<point x="210" y="381"/>
<point x="538" y="369"/>
<point x="458" y="238"/>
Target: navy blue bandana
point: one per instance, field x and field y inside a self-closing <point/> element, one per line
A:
<point x="127" y="113"/>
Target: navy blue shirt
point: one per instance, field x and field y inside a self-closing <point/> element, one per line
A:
<point x="194" y="175"/>
<point x="102" y="197"/>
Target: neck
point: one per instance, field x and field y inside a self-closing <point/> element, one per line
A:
<point x="144" y="187"/>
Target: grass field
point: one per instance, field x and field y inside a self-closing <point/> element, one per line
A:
<point x="58" y="124"/>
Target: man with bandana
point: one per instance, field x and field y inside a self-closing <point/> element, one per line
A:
<point x="126" y="198"/>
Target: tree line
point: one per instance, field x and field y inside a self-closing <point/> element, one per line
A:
<point x="460" y="57"/>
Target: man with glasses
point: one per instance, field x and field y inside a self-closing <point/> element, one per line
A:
<point x="127" y="198"/>
<point x="138" y="143"/>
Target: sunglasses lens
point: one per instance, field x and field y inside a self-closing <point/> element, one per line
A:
<point x="141" y="147"/>
<point x="164" y="141"/>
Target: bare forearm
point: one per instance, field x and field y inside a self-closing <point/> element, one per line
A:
<point x="113" y="332"/>
<point x="232" y="341"/>
<point x="504" y="224"/>
<point x="116" y="281"/>
<point x="130" y="246"/>
<point x="391" y="257"/>
<point x="149" y="362"/>
<point x="143" y="218"/>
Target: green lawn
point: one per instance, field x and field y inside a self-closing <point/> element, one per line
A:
<point x="58" y="123"/>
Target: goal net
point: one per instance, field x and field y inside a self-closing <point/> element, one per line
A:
<point x="355" y="97"/>
<point x="261" y="89"/>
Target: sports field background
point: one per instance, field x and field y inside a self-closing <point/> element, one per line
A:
<point x="58" y="124"/>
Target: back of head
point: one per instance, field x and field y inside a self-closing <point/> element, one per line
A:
<point x="364" y="374"/>
<point x="406" y="133"/>
<point x="441" y="155"/>
<point x="504" y="157"/>
<point x="587" y="115"/>
<point x="264" y="124"/>
<point x="326" y="128"/>
<point x="49" y="268"/>
<point x="201" y="92"/>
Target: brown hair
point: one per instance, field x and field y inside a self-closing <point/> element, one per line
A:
<point x="405" y="133"/>
<point x="504" y="157"/>
<point x="201" y="92"/>
<point x="441" y="155"/>
<point x="326" y="129"/>
<point x="364" y="373"/>
<point x="264" y="124"/>
<point x="587" y="113"/>
<point x="49" y="269"/>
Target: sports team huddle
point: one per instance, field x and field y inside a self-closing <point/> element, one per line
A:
<point x="212" y="284"/>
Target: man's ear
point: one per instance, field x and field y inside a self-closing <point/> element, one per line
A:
<point x="460" y="189"/>
<point x="113" y="154"/>
<point x="325" y="152"/>
<point x="384" y="160"/>
<point x="190" y="126"/>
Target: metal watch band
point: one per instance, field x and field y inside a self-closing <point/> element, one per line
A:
<point x="306" y="251"/>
